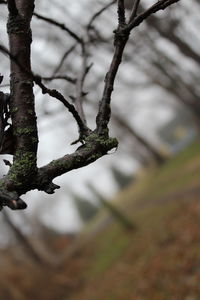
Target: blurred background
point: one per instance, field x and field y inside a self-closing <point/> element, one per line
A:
<point x="133" y="216"/>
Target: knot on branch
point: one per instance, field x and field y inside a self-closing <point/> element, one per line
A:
<point x="11" y="199"/>
<point x="50" y="188"/>
<point x="103" y="142"/>
<point x="16" y="24"/>
<point x="121" y="35"/>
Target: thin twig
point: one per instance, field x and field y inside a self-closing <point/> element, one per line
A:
<point x="99" y="12"/>
<point x="66" y="54"/>
<point x="134" y="10"/>
<point x="78" y="100"/>
<point x="53" y="93"/>
<point x="64" y="77"/>
<point x="160" y="5"/>
<point x="60" y="25"/>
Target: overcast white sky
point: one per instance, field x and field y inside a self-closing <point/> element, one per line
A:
<point x="58" y="210"/>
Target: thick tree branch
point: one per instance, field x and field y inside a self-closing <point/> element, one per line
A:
<point x="12" y="8"/>
<point x="22" y="105"/>
<point x="95" y="147"/>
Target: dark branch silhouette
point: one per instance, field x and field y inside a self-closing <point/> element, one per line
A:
<point x="24" y="174"/>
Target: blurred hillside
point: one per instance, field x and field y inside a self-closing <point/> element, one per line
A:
<point x="155" y="109"/>
<point x="158" y="259"/>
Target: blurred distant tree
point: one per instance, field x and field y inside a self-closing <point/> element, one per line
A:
<point x="86" y="208"/>
<point x="18" y="117"/>
<point x="28" y="245"/>
<point x="161" y="67"/>
<point x="114" y="211"/>
<point x="140" y="142"/>
<point x="121" y="178"/>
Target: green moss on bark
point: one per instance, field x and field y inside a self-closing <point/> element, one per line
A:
<point x="23" y="168"/>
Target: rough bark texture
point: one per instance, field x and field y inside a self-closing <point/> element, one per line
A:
<point x="22" y="97"/>
<point x="24" y="175"/>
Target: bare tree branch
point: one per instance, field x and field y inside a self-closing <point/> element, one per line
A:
<point x="24" y="175"/>
<point x="121" y="12"/>
<point x="80" y="83"/>
<point x="61" y="26"/>
<point x="55" y="94"/>
<point x="64" y="57"/>
<point x="12" y="8"/>
<point x="63" y="77"/>
<point x="22" y="98"/>
<point x="134" y="10"/>
<point x="121" y="38"/>
<point x="159" y="5"/>
<point x="98" y="13"/>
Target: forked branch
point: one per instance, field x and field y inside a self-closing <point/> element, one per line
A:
<point x="24" y="175"/>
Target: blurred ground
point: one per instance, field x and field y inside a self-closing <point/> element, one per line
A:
<point x="159" y="259"/>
